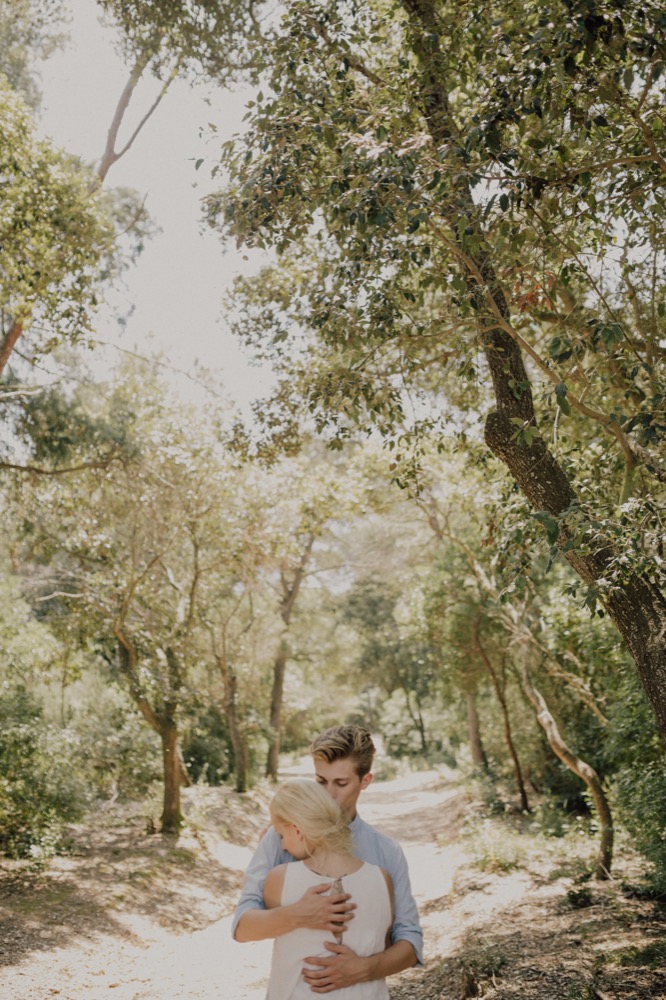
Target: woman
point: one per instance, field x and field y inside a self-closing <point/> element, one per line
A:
<point x="312" y="828"/>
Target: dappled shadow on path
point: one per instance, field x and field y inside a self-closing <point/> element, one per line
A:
<point x="536" y="946"/>
<point x="115" y="875"/>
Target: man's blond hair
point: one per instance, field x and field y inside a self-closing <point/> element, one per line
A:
<point x="346" y="743"/>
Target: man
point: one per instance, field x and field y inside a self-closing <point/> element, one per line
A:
<point x="342" y="759"/>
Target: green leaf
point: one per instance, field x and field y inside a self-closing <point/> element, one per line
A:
<point x="570" y="67"/>
<point x="549" y="523"/>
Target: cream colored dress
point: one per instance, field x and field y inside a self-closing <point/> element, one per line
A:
<point x="365" y="934"/>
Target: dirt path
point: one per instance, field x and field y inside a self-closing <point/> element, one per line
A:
<point x="136" y="917"/>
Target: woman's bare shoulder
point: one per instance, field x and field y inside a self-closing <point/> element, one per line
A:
<point x="273" y="886"/>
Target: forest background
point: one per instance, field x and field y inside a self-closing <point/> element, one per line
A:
<point x="444" y="517"/>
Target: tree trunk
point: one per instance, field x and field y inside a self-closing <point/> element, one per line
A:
<point x="290" y="590"/>
<point x="9" y="342"/>
<point x="238" y="743"/>
<point x="417" y="718"/>
<point x="164" y="723"/>
<point x="479" y="758"/>
<point x="508" y="735"/>
<point x="275" y="722"/>
<point x="583" y="770"/>
<point x="172" y="817"/>
<point x="637" y="607"/>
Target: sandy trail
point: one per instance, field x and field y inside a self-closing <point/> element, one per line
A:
<point x="148" y="962"/>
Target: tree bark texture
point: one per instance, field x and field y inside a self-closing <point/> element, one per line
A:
<point x="290" y="590"/>
<point x="583" y="770"/>
<point x="9" y="342"/>
<point x="636" y="606"/>
<point x="238" y="744"/>
<point x="277" y="694"/>
<point x="172" y="817"/>
<point x="164" y="723"/>
<point x="479" y="758"/>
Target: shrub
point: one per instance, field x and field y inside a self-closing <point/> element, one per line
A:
<point x="206" y="747"/>
<point x="636" y="752"/>
<point x="41" y="786"/>
<point x="121" y="753"/>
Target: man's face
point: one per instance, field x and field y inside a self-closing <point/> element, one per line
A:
<point x="342" y="783"/>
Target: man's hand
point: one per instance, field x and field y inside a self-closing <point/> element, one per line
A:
<point x="318" y="912"/>
<point x="343" y="968"/>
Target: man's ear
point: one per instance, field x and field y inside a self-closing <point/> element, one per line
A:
<point x="366" y="780"/>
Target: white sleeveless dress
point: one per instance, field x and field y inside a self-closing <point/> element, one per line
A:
<point x="365" y="934"/>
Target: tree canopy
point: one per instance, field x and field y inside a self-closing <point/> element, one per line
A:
<point x="475" y="195"/>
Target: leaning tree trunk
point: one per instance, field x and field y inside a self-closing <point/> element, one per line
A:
<point x="583" y="770"/>
<point x="637" y="607"/>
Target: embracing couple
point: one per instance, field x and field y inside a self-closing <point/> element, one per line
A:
<point x="331" y="890"/>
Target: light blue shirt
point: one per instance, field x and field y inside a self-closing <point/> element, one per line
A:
<point x="369" y="845"/>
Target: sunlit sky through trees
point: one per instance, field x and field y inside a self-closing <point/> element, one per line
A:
<point x="170" y="302"/>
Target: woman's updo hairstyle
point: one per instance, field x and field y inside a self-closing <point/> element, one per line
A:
<point x="319" y="818"/>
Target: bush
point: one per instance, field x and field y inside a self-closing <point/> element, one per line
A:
<point x="41" y="786"/>
<point x="207" y="749"/>
<point x="121" y="753"/>
<point x="636" y="752"/>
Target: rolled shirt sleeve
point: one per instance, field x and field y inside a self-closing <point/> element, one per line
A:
<point x="268" y="855"/>
<point x="378" y="849"/>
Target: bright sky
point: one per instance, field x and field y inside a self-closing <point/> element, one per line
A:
<point x="178" y="284"/>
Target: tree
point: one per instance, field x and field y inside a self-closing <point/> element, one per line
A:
<point x="519" y="620"/>
<point x="123" y="545"/>
<point x="55" y="237"/>
<point x="311" y="494"/>
<point x="480" y="179"/>
<point x="31" y="30"/>
<point x="394" y="655"/>
<point x="58" y="233"/>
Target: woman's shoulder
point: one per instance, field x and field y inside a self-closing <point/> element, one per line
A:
<point x="273" y="885"/>
<point x="376" y="872"/>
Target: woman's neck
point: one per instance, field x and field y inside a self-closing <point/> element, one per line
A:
<point x="332" y="864"/>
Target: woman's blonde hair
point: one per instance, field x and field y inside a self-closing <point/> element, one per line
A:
<point x="319" y="818"/>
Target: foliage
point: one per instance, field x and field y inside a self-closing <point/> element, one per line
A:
<point x="636" y="755"/>
<point x="440" y="181"/>
<point x="213" y="38"/>
<point x="120" y="756"/>
<point x="30" y="31"/>
<point x="41" y="785"/>
<point x="207" y="749"/>
<point x="54" y="234"/>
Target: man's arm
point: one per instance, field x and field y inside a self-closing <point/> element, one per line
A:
<point x="268" y="855"/>
<point x="345" y="968"/>
<point x="406" y="927"/>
